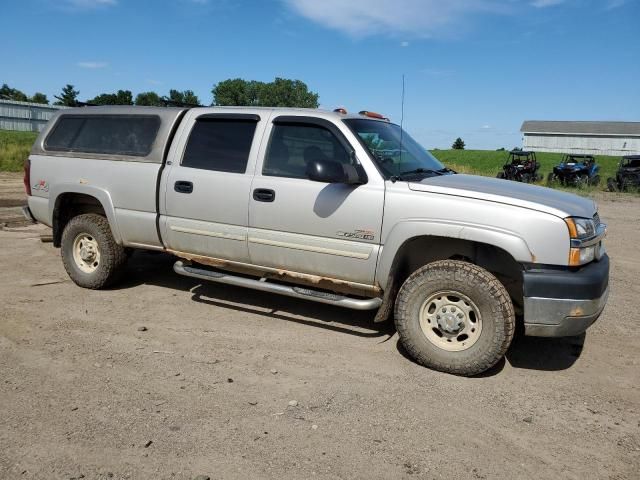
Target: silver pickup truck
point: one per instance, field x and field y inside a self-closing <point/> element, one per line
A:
<point x="325" y="206"/>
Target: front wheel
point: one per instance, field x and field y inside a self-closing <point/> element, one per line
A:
<point x="454" y="317"/>
<point x="90" y="254"/>
<point x="582" y="180"/>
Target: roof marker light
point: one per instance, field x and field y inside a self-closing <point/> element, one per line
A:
<point x="373" y="115"/>
<point x="341" y="110"/>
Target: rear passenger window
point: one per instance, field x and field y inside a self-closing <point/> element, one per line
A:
<point x="104" y="134"/>
<point x="222" y="145"/>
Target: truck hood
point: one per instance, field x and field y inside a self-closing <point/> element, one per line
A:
<point x="555" y="202"/>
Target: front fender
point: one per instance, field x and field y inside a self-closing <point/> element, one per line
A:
<point x="507" y="240"/>
<point x="98" y="193"/>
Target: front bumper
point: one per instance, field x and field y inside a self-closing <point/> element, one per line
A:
<point x="563" y="302"/>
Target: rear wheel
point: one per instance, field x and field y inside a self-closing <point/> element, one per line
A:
<point x="552" y="178"/>
<point x="612" y="186"/>
<point x="90" y="254"/>
<point x="595" y="180"/>
<point x="455" y="317"/>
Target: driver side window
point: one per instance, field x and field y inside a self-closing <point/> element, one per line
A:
<point x="293" y="146"/>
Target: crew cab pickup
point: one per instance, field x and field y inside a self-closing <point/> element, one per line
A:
<point x="330" y="207"/>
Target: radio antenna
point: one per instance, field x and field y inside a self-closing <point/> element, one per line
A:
<point x="402" y="118"/>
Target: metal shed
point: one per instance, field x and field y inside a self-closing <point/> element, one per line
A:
<point x="25" y="116"/>
<point x="596" y="138"/>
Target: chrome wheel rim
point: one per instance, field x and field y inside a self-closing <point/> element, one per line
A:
<point x="86" y="253"/>
<point x="450" y="320"/>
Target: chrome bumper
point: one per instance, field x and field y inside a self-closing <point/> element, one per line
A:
<point x="561" y="317"/>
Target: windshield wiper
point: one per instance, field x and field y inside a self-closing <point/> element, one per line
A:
<point x="446" y="170"/>
<point x="395" y="178"/>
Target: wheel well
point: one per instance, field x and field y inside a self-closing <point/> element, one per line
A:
<point x="69" y="205"/>
<point x="419" y="251"/>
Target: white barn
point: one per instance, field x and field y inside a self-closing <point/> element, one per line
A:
<point x="596" y="138"/>
<point x="25" y="116"/>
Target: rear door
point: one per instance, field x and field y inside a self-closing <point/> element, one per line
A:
<point x="207" y="186"/>
<point x="330" y="230"/>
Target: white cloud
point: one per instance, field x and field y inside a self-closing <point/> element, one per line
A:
<point x="419" y="18"/>
<point x="611" y="4"/>
<point x="90" y="4"/>
<point x="92" y="65"/>
<point x="486" y="127"/>
<point x="546" y="3"/>
<point x="437" y="72"/>
<point x="404" y="44"/>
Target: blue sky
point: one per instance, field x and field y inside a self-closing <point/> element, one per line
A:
<point x="473" y="68"/>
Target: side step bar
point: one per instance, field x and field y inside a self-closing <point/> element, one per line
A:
<point x="296" y="292"/>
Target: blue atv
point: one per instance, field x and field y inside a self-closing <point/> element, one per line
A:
<point x="576" y="170"/>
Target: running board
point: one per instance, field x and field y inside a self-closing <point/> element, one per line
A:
<point x="296" y="292"/>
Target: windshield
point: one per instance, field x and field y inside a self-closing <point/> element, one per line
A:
<point x="394" y="151"/>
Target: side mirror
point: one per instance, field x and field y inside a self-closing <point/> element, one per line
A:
<point x="329" y="171"/>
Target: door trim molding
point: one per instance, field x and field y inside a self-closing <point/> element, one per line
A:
<point x="208" y="233"/>
<point x="309" y="248"/>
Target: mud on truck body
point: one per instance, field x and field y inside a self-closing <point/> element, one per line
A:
<point x="329" y="207"/>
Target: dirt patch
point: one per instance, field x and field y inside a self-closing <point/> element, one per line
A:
<point x="166" y="377"/>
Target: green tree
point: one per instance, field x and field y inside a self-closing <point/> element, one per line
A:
<point x="8" y="93"/>
<point x="236" y="92"/>
<point x="281" y="92"/>
<point x="68" y="97"/>
<point x="39" y="98"/>
<point x="149" y="99"/>
<point x="121" y="97"/>
<point x="458" y="144"/>
<point x="186" y="97"/>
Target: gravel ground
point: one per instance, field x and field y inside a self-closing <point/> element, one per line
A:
<point x="164" y="377"/>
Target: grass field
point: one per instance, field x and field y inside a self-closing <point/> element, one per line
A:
<point x="14" y="149"/>
<point x="489" y="163"/>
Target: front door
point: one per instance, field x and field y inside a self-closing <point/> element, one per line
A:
<point x="330" y="230"/>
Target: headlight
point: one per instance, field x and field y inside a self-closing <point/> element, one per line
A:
<point x="582" y="229"/>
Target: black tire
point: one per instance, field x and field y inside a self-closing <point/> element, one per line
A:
<point x="582" y="181"/>
<point x="612" y="186"/>
<point x="552" y="178"/>
<point x="500" y="175"/>
<point x="112" y="256"/>
<point x="625" y="184"/>
<point x="595" y="180"/>
<point x="495" y="308"/>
